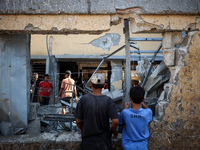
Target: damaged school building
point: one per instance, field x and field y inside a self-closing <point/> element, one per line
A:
<point x="155" y="42"/>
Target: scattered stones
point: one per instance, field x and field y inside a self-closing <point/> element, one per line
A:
<point x="34" y="127"/>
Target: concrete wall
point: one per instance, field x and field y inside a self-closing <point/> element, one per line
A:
<point x="176" y="124"/>
<point x="164" y="23"/>
<point x="15" y="72"/>
<point x="64" y="24"/>
<point x="53" y="141"/>
<point x="81" y="44"/>
<point x="179" y="127"/>
<point x="99" y="7"/>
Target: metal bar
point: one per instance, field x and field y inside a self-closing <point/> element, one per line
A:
<point x="145" y="39"/>
<point x="59" y="117"/>
<point x="88" y="89"/>
<point x="96" y="70"/>
<point x="127" y="80"/>
<point x="148" y="56"/>
<point x="137" y="49"/>
<point x="160" y="46"/>
<point x="145" y="51"/>
<point x="104" y="60"/>
<point x="150" y="68"/>
<point x="81" y="89"/>
<point x="137" y="59"/>
<point x="119" y="49"/>
<point x="134" y="46"/>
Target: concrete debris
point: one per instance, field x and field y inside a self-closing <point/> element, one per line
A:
<point x="34" y="127"/>
<point x="50" y="109"/>
<point x="160" y="109"/>
<point x="142" y="68"/>
<point x="151" y="103"/>
<point x="154" y="85"/>
<point x="9" y="118"/>
<point x="169" y="56"/>
<point x="115" y="95"/>
<point x="162" y="96"/>
<point x="6" y="128"/>
<point x="19" y="131"/>
<point x="5" y="110"/>
<point x="33" y="112"/>
<point x="168" y="88"/>
<point x="53" y="121"/>
<point x="158" y="77"/>
<point x="68" y="104"/>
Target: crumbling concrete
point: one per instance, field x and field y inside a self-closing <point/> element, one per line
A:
<point x="164" y="23"/>
<point x="105" y="42"/>
<point x="34" y="127"/>
<point x="178" y="123"/>
<point x="15" y="77"/>
<point x="64" y="24"/>
<point x="142" y="68"/>
<point x="99" y="7"/>
<point x="6" y="128"/>
<point x="158" y="77"/>
<point x="169" y="56"/>
<point x="64" y="140"/>
<point x="33" y="111"/>
<point x="116" y="75"/>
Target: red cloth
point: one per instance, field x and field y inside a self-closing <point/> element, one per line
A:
<point x="45" y="88"/>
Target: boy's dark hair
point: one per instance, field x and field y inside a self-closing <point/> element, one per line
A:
<point x="97" y="86"/>
<point x="46" y="75"/>
<point x="137" y="94"/>
<point x="68" y="72"/>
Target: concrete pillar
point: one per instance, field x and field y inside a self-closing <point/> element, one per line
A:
<point x="53" y="80"/>
<point x="47" y="71"/>
<point x="15" y="72"/>
<point x="127" y="77"/>
<point x="116" y="75"/>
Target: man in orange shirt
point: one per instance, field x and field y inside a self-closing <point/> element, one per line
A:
<point x="67" y="88"/>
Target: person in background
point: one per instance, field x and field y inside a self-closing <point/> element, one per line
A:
<point x="135" y="82"/>
<point x="46" y="90"/>
<point x="67" y="88"/>
<point x="135" y="121"/>
<point x="92" y="117"/>
<point x="34" y="88"/>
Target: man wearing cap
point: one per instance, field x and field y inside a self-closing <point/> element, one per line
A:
<point x="92" y="117"/>
<point x="67" y="88"/>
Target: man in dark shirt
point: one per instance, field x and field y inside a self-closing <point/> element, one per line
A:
<point x="92" y="117"/>
<point x="34" y="88"/>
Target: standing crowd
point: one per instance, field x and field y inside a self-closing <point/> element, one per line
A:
<point x="94" y="112"/>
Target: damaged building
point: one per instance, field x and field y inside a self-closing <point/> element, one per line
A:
<point x="83" y="53"/>
<point x="79" y="34"/>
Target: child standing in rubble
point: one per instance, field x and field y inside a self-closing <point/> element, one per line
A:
<point x="46" y="90"/>
<point x="135" y="121"/>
